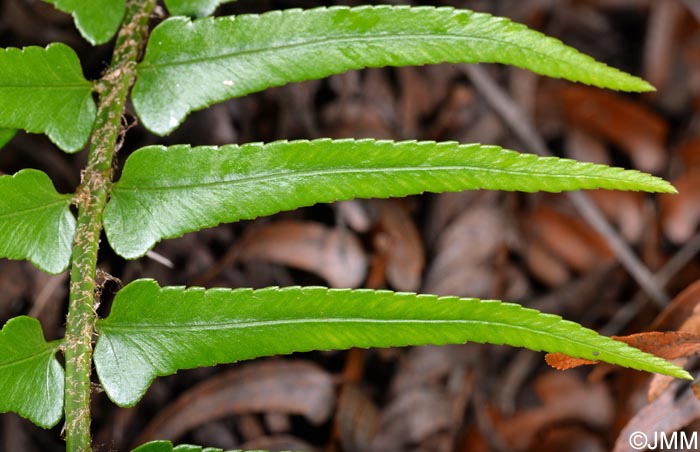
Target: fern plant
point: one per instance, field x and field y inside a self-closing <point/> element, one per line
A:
<point x="165" y="192"/>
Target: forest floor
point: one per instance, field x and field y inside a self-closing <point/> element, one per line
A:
<point x="535" y="249"/>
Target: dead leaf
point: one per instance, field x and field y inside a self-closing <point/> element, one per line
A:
<point x="279" y="442"/>
<point x="661" y="41"/>
<point x="560" y="361"/>
<point x="411" y="417"/>
<point x="398" y="241"/>
<point x="565" y="399"/>
<point x="680" y="213"/>
<point x="545" y="266"/>
<point x="672" y="411"/>
<point x="567" y="238"/>
<point x="628" y="124"/>
<point x="428" y="365"/>
<point x="417" y="101"/>
<point x="585" y="147"/>
<point x="465" y="252"/>
<point x="294" y="387"/>
<point x="683" y="314"/>
<point x="335" y="254"/>
<point x="625" y="209"/>
<point x="666" y="345"/>
<point x="357" y="419"/>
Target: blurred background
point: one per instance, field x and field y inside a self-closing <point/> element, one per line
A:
<point x="535" y="249"/>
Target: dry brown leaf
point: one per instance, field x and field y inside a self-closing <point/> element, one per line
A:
<point x="585" y="147"/>
<point x="295" y="387"/>
<point x="666" y="345"/>
<point x="357" y="419"/>
<point x="560" y="361"/>
<point x="560" y="438"/>
<point x="567" y="238"/>
<point x="565" y="399"/>
<point x="411" y="417"/>
<point x="545" y="266"/>
<point x="279" y="442"/>
<point x="625" y="209"/>
<point x="668" y="413"/>
<point x="683" y="313"/>
<point x="464" y="254"/>
<point x="354" y="214"/>
<point x="628" y="124"/>
<point x="680" y="213"/>
<point x="398" y="241"/>
<point x="428" y="365"/>
<point x="334" y="254"/>
<point x="418" y="99"/>
<point x="677" y="314"/>
<point x="662" y="41"/>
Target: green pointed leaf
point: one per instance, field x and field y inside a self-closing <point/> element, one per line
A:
<point x="97" y="20"/>
<point x="166" y="192"/>
<point x="35" y="221"/>
<point x="31" y="379"/>
<point x="167" y="446"/>
<point x="155" y="331"/>
<point x="44" y="91"/>
<point x="193" y="8"/>
<point x="234" y="56"/>
<point x="6" y="135"/>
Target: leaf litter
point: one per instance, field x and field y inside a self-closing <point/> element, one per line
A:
<point x="535" y="249"/>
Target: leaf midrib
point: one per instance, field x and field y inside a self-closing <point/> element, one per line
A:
<point x="72" y="86"/>
<point x="47" y="350"/>
<point x="19" y="212"/>
<point x="216" y="326"/>
<point x="149" y="65"/>
<point x="241" y="325"/>
<point x="347" y="171"/>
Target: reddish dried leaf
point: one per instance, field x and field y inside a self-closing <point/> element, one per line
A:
<point x="667" y="345"/>
<point x="545" y="266"/>
<point x="294" y="387"/>
<point x="680" y="214"/>
<point x="399" y="242"/>
<point x="568" y="238"/>
<point x="334" y="254"/>
<point x="560" y="361"/>
<point x="625" y="209"/>
<point x="680" y="313"/>
<point x="683" y="314"/>
<point x="628" y="124"/>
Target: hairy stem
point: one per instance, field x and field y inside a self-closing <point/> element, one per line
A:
<point x="91" y="198"/>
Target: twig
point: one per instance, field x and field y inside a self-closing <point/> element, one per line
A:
<point x="521" y="126"/>
<point x="662" y="277"/>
